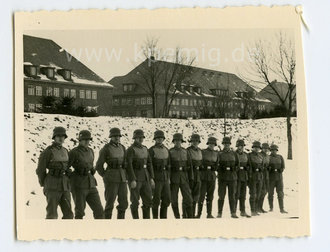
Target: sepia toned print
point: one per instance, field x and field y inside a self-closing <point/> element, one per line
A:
<point x="155" y="127"/>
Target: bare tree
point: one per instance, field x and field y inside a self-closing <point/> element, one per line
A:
<point x="280" y="63"/>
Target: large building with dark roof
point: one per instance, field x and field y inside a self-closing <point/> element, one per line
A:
<point x="51" y="71"/>
<point x="201" y="93"/>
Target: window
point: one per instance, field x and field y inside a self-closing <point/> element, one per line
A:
<point x="123" y="101"/>
<point x="94" y="95"/>
<point x="209" y="103"/>
<point x="137" y="101"/>
<point x="144" y="113"/>
<point x="129" y="101"/>
<point x="177" y="101"/>
<point x="115" y="101"/>
<point x="149" y="100"/>
<point x="38" y="90"/>
<point x="31" y="107"/>
<point x="49" y="91"/>
<point x="50" y="73"/>
<point x="82" y="94"/>
<point x="128" y="87"/>
<point x="195" y="102"/>
<point x="30" y="90"/>
<point x="73" y="93"/>
<point x="66" y="92"/>
<point x="88" y="94"/>
<point x="56" y="92"/>
<point x="143" y="101"/>
<point x="38" y="107"/>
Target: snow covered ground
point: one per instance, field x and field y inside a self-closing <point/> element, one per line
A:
<point x="38" y="131"/>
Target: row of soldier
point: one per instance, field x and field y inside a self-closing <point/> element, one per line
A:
<point x="156" y="175"/>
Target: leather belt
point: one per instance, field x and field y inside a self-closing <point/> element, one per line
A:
<point x="241" y="168"/>
<point x="228" y="168"/>
<point x="209" y="167"/>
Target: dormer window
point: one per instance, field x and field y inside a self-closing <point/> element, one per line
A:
<point x="31" y="70"/>
<point x="128" y="87"/>
<point x="197" y="90"/>
<point x="48" y="71"/>
<point x="65" y="73"/>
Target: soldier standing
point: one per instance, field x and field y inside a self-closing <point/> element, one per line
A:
<point x="256" y="163"/>
<point x="114" y="176"/>
<point x="83" y="183"/>
<point x="277" y="166"/>
<point x="160" y="161"/>
<point x="181" y="175"/>
<point x="56" y="182"/>
<point x="227" y="177"/>
<point x="196" y="161"/>
<point x="208" y="176"/>
<point x="265" y="181"/>
<point x="140" y="175"/>
<point x="242" y="177"/>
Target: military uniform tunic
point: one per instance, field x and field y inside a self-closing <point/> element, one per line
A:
<point x="227" y="178"/>
<point x="196" y="163"/>
<point x="114" y="178"/>
<point x="276" y="168"/>
<point x="265" y="181"/>
<point x="256" y="166"/>
<point x="83" y="183"/>
<point x="159" y="155"/>
<point x="53" y="173"/>
<point x="181" y="174"/>
<point x="139" y="169"/>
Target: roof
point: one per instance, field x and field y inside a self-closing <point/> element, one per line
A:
<point x="205" y="78"/>
<point x="46" y="53"/>
<point x="280" y="87"/>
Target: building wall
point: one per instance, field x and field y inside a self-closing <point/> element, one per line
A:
<point x="103" y="97"/>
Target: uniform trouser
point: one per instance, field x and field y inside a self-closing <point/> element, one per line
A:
<point x="241" y="195"/>
<point x="186" y="198"/>
<point x="112" y="191"/>
<point x="278" y="184"/>
<point x="255" y="192"/>
<point x="195" y="188"/>
<point x="92" y="197"/>
<point x="162" y="197"/>
<point x="143" y="190"/>
<point x="222" y="186"/>
<point x="264" y="191"/>
<point x="207" y="189"/>
<point x="58" y="198"/>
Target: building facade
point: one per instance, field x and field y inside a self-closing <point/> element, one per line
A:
<point x="50" y="71"/>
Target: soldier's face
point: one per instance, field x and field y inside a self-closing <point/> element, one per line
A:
<point x="265" y="150"/>
<point x="195" y="143"/>
<point x="255" y="149"/>
<point x="115" y="139"/>
<point x="139" y="140"/>
<point x="59" y="139"/>
<point x="211" y="146"/>
<point x="274" y="152"/>
<point x="226" y="145"/>
<point x="177" y="143"/>
<point x="159" y="140"/>
<point x="240" y="148"/>
<point x="85" y="142"/>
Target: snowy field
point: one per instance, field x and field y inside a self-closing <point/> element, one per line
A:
<point x="38" y="132"/>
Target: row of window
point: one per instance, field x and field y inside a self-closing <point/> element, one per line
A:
<point x="34" y="107"/>
<point x="131" y="101"/>
<point x="83" y="94"/>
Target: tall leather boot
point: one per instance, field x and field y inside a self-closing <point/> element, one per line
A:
<point x="107" y="215"/>
<point x="189" y="212"/>
<point x="121" y="215"/>
<point x="146" y="213"/>
<point x="220" y="207"/>
<point x="176" y="212"/>
<point x="281" y="204"/>
<point x="155" y="212"/>
<point x="253" y="207"/>
<point x="261" y="203"/>
<point x="199" y="210"/>
<point x="271" y="206"/>
<point x="135" y="213"/>
<point x="233" y="208"/>
<point x="163" y="213"/>
<point x="209" y="209"/>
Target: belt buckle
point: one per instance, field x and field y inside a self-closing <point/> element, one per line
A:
<point x="228" y="168"/>
<point x="197" y="168"/>
<point x="180" y="168"/>
<point x="242" y="168"/>
<point x="209" y="167"/>
<point x="145" y="166"/>
<point x="164" y="168"/>
<point x="257" y="169"/>
<point x="275" y="170"/>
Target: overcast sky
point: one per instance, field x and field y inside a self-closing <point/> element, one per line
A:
<point x="112" y="53"/>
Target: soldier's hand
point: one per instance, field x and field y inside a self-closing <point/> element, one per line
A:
<point x="152" y="183"/>
<point x="133" y="184"/>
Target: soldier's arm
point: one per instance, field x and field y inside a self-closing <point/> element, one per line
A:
<point x="42" y="166"/>
<point x="282" y="164"/>
<point x="124" y="164"/>
<point x="93" y="170"/>
<point x="149" y="165"/>
<point x="100" y="162"/>
<point x="237" y="163"/>
<point x="190" y="168"/>
<point x="129" y="161"/>
<point x="168" y="163"/>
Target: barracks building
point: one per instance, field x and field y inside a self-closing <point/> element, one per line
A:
<point x="51" y="71"/>
<point x="202" y="93"/>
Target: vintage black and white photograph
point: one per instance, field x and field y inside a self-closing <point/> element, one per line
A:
<point x="160" y="125"/>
